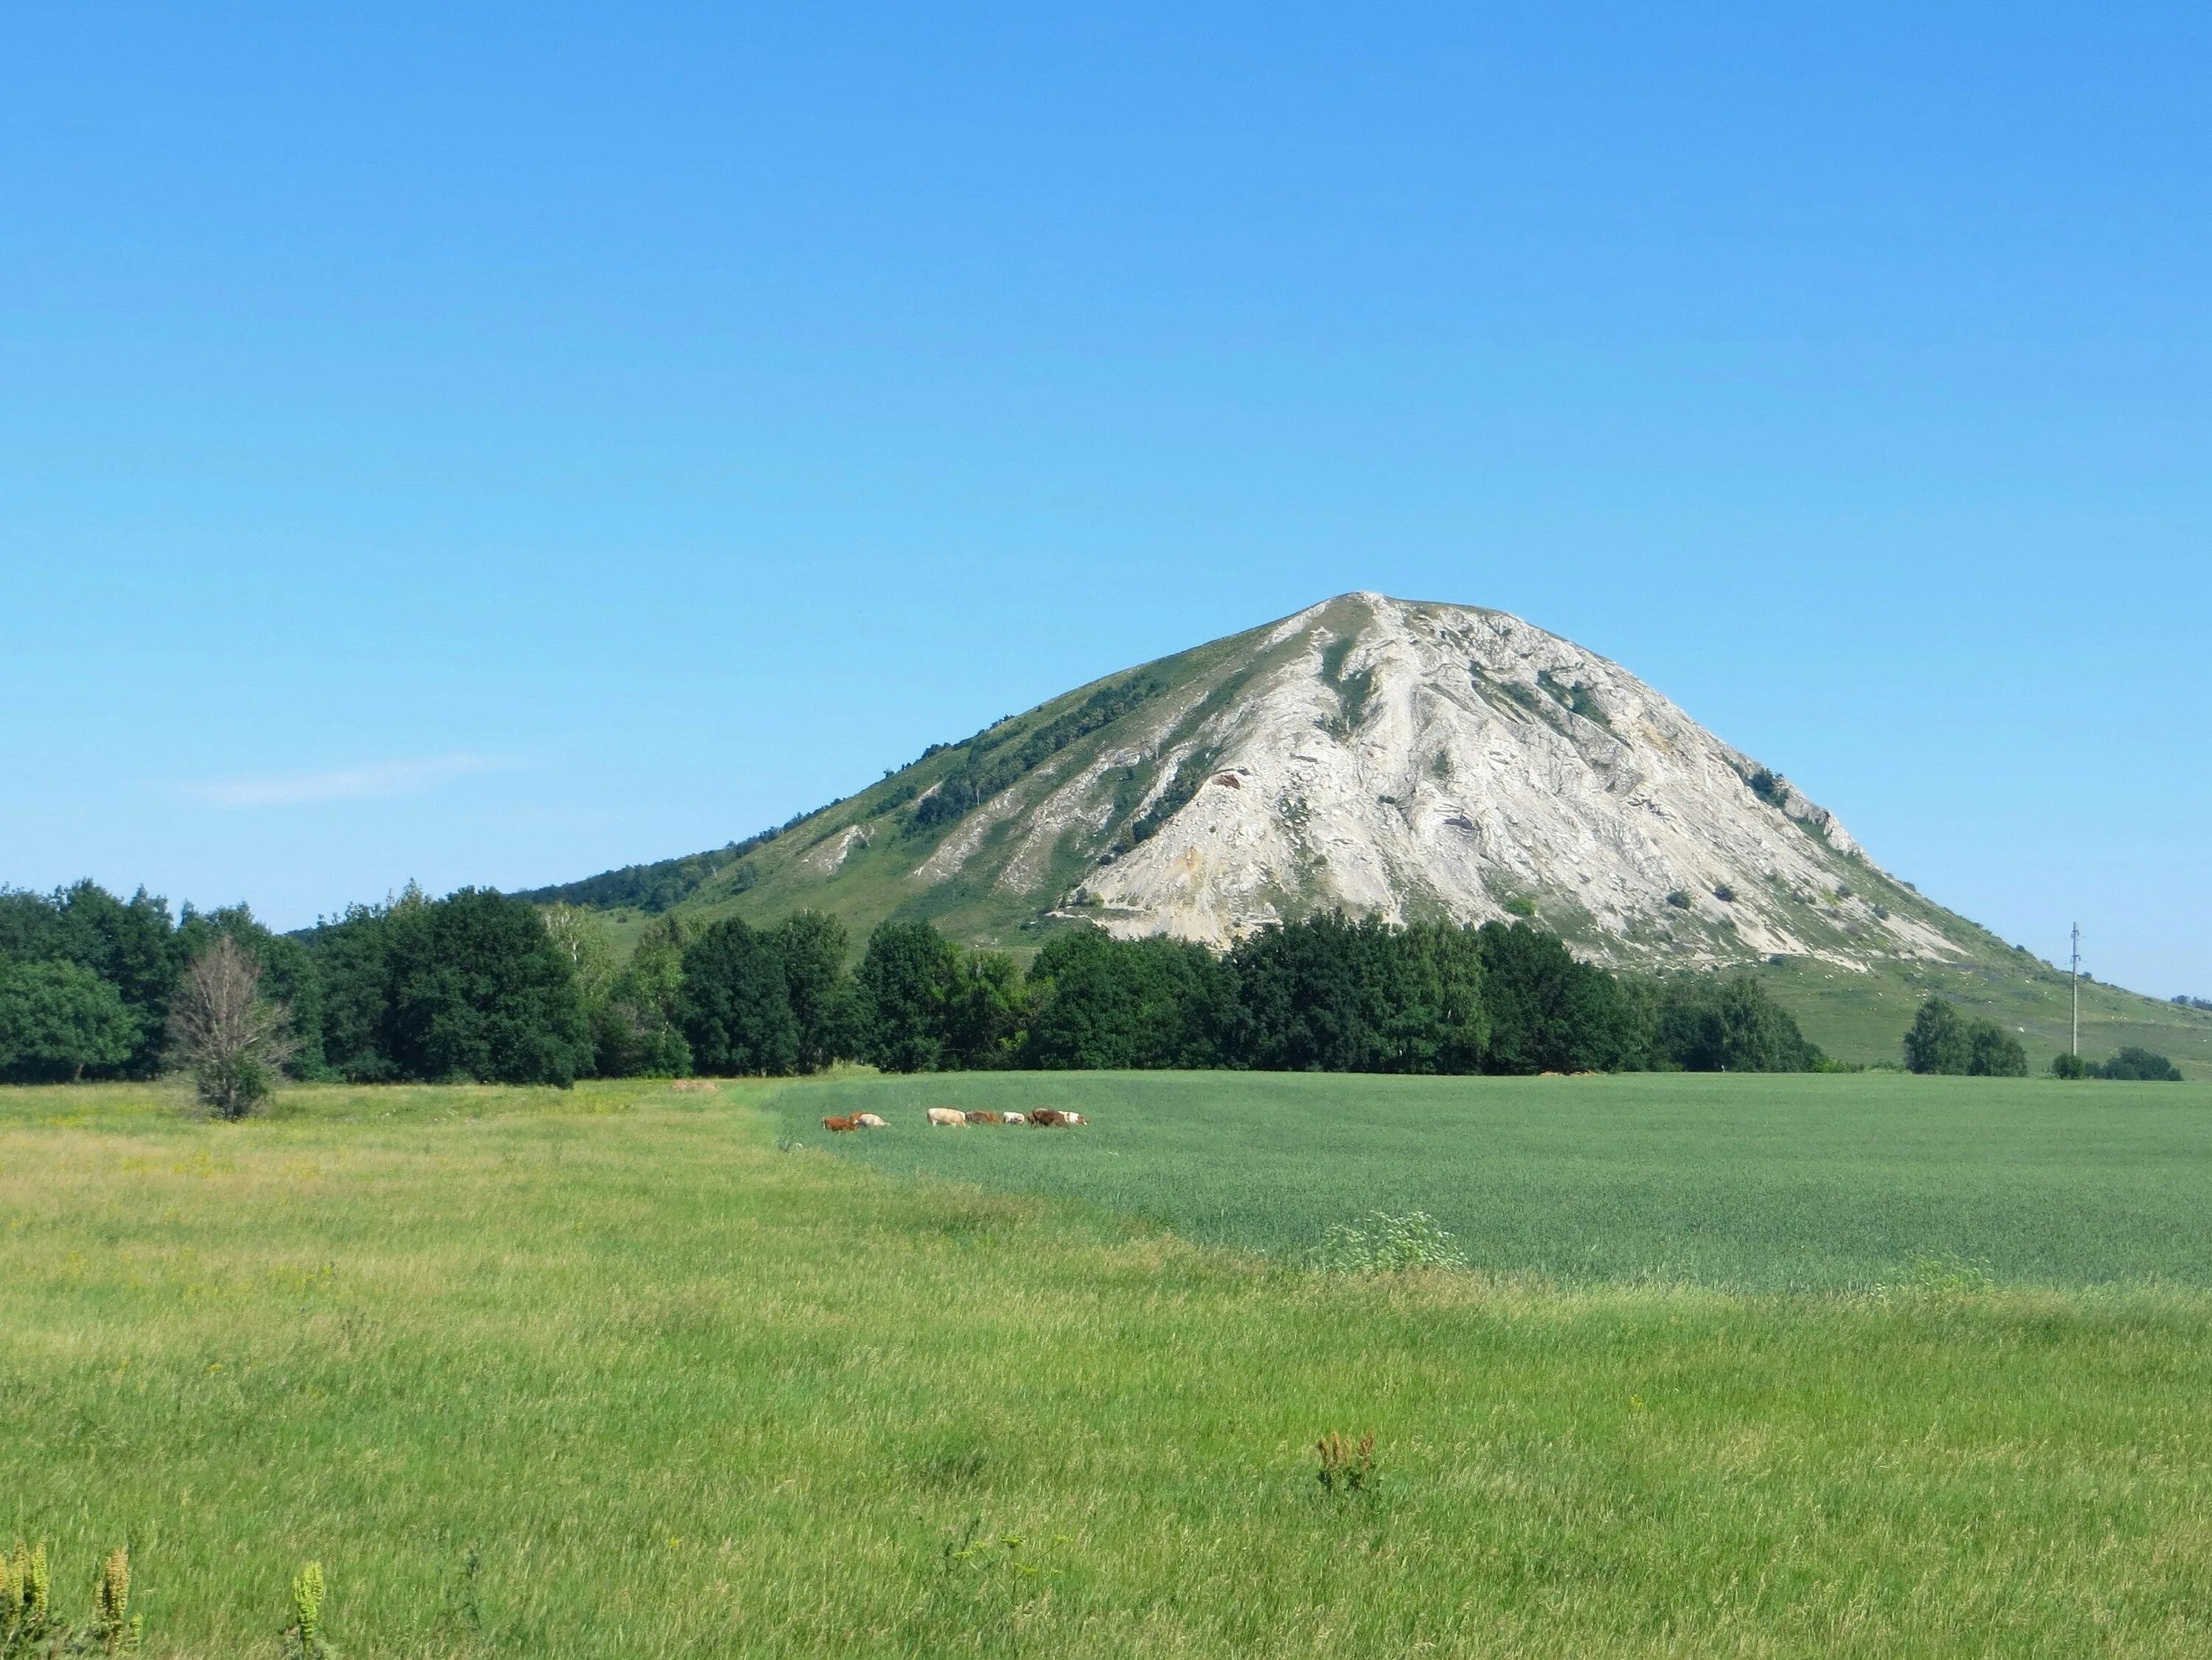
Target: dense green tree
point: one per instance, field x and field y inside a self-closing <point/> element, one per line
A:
<point x="2141" y="1066"/>
<point x="636" y="1030"/>
<point x="130" y="944"/>
<point x="57" y="1020"/>
<point x="985" y="1013"/>
<point x="1303" y="997"/>
<point x="1937" y="1041"/>
<point x="1548" y="1011"/>
<point x="1942" y="1041"/>
<point x="1100" y="1003"/>
<point x="907" y="978"/>
<point x="2067" y="1064"/>
<point x="735" y="1005"/>
<point x="353" y="959"/>
<point x="1993" y="1052"/>
<point x="1713" y="1023"/>
<point x="813" y="947"/>
<point x="477" y="989"/>
<point x="1424" y="986"/>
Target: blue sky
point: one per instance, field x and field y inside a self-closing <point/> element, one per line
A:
<point x="489" y="445"/>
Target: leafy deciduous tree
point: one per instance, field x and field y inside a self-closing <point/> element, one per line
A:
<point x="735" y="1005"/>
<point x="58" y="1019"/>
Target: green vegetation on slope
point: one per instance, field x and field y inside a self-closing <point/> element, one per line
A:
<point x="1863" y="1017"/>
<point x="858" y="859"/>
<point x="1768" y="1181"/>
<point x="603" y="1372"/>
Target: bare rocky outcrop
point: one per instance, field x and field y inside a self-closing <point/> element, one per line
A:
<point x="1377" y="756"/>
<point x="1401" y="759"/>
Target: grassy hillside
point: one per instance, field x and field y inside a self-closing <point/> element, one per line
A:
<point x="1863" y="1017"/>
<point x="1826" y="1182"/>
<point x="606" y="1373"/>
<point x="858" y="859"/>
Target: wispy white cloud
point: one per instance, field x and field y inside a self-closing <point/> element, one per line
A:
<point x="367" y="783"/>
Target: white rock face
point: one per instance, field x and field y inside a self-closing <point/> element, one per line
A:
<point x="1406" y="760"/>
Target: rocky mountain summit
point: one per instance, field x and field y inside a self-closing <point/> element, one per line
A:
<point x="1384" y="757"/>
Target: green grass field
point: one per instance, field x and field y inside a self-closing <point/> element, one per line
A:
<point x="606" y="1373"/>
<point x="1810" y="1182"/>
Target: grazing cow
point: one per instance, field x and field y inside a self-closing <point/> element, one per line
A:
<point x="947" y="1118"/>
<point x="849" y="1121"/>
<point x="986" y="1118"/>
<point x="868" y="1121"/>
<point x="1054" y="1118"/>
<point x="1016" y="1118"/>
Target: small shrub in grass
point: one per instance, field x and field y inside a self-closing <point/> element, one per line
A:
<point x="1385" y="1243"/>
<point x="1679" y="900"/>
<point x="29" y="1627"/>
<point x="1345" y="1468"/>
<point x="2069" y="1067"/>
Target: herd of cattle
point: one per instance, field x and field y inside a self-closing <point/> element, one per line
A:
<point x="953" y="1118"/>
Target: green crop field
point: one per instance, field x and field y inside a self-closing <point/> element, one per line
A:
<point x="1821" y="1181"/>
<point x="608" y="1373"/>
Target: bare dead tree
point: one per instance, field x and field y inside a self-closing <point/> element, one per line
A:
<point x="232" y="1039"/>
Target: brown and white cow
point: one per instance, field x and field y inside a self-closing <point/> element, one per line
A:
<point x="1054" y="1118"/>
<point x="986" y="1118"/>
<point x="847" y="1122"/>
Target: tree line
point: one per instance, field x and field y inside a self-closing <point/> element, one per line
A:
<point x="483" y="986"/>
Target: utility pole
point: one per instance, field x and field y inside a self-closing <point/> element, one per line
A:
<point x="2074" y="984"/>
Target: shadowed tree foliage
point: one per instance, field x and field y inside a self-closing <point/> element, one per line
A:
<point x="1305" y="997"/>
<point x="1101" y="1003"/>
<point x="1549" y="1012"/>
<point x="985" y="1013"/>
<point x="2137" y="1065"/>
<point x="1426" y="983"/>
<point x="129" y="944"/>
<point x="58" y="1020"/>
<point x="1943" y="1041"/>
<point x="480" y="990"/>
<point x="907" y="978"/>
<point x="468" y="987"/>
<point x="813" y="948"/>
<point x="1708" y="1022"/>
<point x="637" y="1029"/>
<point x="735" y="1003"/>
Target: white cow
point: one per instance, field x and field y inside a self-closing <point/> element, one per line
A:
<point x="1016" y="1118"/>
<point x="947" y="1118"/>
<point x="868" y="1121"/>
